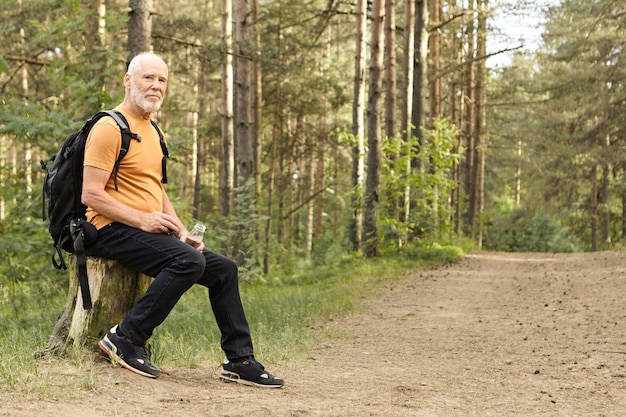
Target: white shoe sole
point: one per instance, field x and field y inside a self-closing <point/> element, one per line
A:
<point x="109" y="348"/>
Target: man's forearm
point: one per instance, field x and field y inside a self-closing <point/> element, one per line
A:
<point x="109" y="207"/>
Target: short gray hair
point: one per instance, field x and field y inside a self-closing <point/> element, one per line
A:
<point x="135" y="64"/>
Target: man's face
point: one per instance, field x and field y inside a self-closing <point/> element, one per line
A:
<point x="148" y="85"/>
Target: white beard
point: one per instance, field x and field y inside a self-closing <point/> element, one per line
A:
<point x="141" y="101"/>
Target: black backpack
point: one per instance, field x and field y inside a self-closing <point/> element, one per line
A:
<point x="62" y="189"/>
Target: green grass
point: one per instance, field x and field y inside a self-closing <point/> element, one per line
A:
<point x="287" y="317"/>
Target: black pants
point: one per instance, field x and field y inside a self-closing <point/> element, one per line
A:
<point x="176" y="266"/>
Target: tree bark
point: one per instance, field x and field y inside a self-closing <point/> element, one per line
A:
<point x="227" y="168"/>
<point x="481" y="117"/>
<point x="114" y="287"/>
<point x="605" y="194"/>
<point x="371" y="232"/>
<point x="593" y="206"/>
<point x="139" y="27"/>
<point x="390" y="68"/>
<point x="407" y="107"/>
<point x="469" y="128"/>
<point x="420" y="80"/>
<point x="358" y="128"/>
<point x="434" y="56"/>
<point x="244" y="154"/>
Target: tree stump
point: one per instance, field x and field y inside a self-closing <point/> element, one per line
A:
<point x="115" y="288"/>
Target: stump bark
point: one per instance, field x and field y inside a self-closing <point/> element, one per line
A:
<point x="115" y="288"/>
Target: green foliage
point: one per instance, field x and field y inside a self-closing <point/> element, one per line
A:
<point x="512" y="230"/>
<point x="26" y="272"/>
<point x="557" y="130"/>
<point x="235" y="235"/>
<point x="430" y="214"/>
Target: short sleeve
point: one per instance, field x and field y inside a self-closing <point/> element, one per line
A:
<point x="103" y="144"/>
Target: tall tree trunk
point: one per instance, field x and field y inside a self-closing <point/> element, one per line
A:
<point x="407" y="108"/>
<point x="244" y="144"/>
<point x="481" y="116"/>
<point x="469" y="125"/>
<point x="227" y="167"/>
<point x="277" y="134"/>
<point x="420" y="80"/>
<point x="434" y="56"/>
<point x="28" y="179"/>
<point x="257" y="105"/>
<point x="244" y="154"/>
<point x="95" y="30"/>
<point x="358" y="127"/>
<point x="199" y="146"/>
<point x="320" y="151"/>
<point x="309" y="167"/>
<point x="139" y="27"/>
<point x="371" y="232"/>
<point x="456" y="114"/>
<point x="390" y="68"/>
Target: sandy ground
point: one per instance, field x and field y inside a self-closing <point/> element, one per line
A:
<point x="494" y="334"/>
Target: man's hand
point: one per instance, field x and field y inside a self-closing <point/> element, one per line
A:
<point x="158" y="222"/>
<point x="195" y="241"/>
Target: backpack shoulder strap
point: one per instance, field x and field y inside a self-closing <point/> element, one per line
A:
<point x="127" y="135"/>
<point x="166" y="153"/>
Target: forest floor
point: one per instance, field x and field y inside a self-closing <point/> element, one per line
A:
<point x="494" y="334"/>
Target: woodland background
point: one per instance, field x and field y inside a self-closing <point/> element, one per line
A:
<point x="301" y="131"/>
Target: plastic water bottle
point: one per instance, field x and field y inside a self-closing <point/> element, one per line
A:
<point x="198" y="230"/>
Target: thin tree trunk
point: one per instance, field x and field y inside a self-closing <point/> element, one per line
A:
<point x="407" y="107"/>
<point x="481" y="117"/>
<point x="244" y="144"/>
<point x="310" y="189"/>
<point x="257" y="105"/>
<point x="469" y="127"/>
<point x="358" y="127"/>
<point x="28" y="179"/>
<point x="434" y="56"/>
<point x="277" y="133"/>
<point x="244" y="154"/>
<point x="606" y="212"/>
<point x="371" y="232"/>
<point x="200" y="148"/>
<point x="593" y="207"/>
<point x="456" y="114"/>
<point x="390" y="68"/>
<point x="227" y="167"/>
<point x="270" y="197"/>
<point x="420" y="80"/>
<point x="95" y="30"/>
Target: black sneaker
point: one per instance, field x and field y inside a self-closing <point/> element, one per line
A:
<point x="249" y="372"/>
<point x="127" y="354"/>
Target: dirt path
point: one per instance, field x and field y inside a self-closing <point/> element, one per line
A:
<point x="491" y="335"/>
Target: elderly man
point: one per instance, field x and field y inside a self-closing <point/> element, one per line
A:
<point x="137" y="224"/>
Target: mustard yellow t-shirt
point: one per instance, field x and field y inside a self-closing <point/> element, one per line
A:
<point x="140" y="172"/>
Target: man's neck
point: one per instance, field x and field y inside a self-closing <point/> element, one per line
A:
<point x="136" y="110"/>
